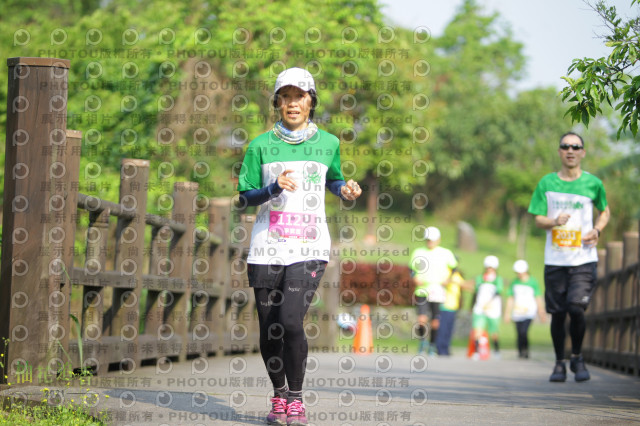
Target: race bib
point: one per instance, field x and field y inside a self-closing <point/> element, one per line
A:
<point x="566" y="239"/>
<point x="521" y="309"/>
<point x="285" y="225"/>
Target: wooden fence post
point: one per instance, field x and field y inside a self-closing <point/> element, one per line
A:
<point x="93" y="296"/>
<point x="630" y="252"/>
<point x="242" y="331"/>
<point x="159" y="265"/>
<point x="134" y="176"/>
<point x="219" y="222"/>
<point x="182" y="246"/>
<point x="614" y="263"/>
<point x="628" y="329"/>
<point x="635" y="345"/>
<point x="32" y="275"/>
<point x="65" y="183"/>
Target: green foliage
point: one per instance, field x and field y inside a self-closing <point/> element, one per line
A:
<point x="436" y="114"/>
<point x="44" y="415"/>
<point x="19" y="410"/>
<point x="534" y="124"/>
<point x="622" y="175"/>
<point x="134" y="83"/>
<point x="611" y="79"/>
<point x="478" y="61"/>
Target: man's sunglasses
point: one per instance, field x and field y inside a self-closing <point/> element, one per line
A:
<point x="566" y="146"/>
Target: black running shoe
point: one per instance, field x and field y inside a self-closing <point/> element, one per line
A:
<point x="559" y="372"/>
<point x="576" y="365"/>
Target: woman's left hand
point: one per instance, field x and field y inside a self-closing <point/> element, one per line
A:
<point x="351" y="190"/>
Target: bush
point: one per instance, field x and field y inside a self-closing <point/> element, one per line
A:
<point x="379" y="284"/>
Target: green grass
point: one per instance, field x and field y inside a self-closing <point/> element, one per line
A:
<point x="400" y="246"/>
<point x="46" y="416"/>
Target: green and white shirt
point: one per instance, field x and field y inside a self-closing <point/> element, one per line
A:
<point x="524" y="295"/>
<point x="553" y="196"/>
<point x="488" y="300"/>
<point x="291" y="227"/>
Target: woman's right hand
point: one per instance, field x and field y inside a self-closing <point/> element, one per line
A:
<point x="286" y="182"/>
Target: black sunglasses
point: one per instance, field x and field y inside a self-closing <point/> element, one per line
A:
<point x="566" y="146"/>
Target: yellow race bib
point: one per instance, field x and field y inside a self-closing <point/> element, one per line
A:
<point x="562" y="238"/>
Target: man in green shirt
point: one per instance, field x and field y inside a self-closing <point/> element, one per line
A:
<point x="563" y="204"/>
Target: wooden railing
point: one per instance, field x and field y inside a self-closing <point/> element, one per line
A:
<point x="613" y="318"/>
<point x="181" y="294"/>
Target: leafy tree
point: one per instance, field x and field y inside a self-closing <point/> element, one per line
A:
<point x="367" y="84"/>
<point x="622" y="180"/>
<point x="478" y="60"/>
<point x="612" y="82"/>
<point x="141" y="73"/>
<point x="136" y="85"/>
<point x="611" y="79"/>
<point x="535" y="122"/>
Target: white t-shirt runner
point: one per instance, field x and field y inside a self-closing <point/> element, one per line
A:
<point x="524" y="295"/>
<point x="432" y="268"/>
<point x="291" y="227"/>
<point x="553" y="196"/>
<point x="488" y="300"/>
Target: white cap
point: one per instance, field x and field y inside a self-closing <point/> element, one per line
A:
<point x="491" y="262"/>
<point x="297" y="77"/>
<point x="520" y="266"/>
<point x="432" y="233"/>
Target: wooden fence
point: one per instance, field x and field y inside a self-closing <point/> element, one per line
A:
<point x="613" y="318"/>
<point x="182" y="295"/>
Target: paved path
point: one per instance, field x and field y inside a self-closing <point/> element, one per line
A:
<point x="378" y="389"/>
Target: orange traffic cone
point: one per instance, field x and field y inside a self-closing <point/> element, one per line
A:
<point x="363" y="340"/>
<point x="483" y="345"/>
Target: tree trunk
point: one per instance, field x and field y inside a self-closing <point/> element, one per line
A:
<point x="521" y="247"/>
<point x="513" y="222"/>
<point x="419" y="213"/>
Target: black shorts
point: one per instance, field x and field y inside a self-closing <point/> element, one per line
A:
<point x="426" y="308"/>
<point x="565" y="285"/>
<point x="302" y="274"/>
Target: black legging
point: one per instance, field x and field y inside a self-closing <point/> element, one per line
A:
<point x="577" y="329"/>
<point x="523" y="341"/>
<point x="283" y="343"/>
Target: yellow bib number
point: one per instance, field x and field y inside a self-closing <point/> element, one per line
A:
<point x="566" y="238"/>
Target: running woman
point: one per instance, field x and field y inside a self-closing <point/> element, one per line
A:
<point x="285" y="172"/>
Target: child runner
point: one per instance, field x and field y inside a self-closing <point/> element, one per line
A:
<point x="524" y="300"/>
<point x="285" y="172"/>
<point x="448" y="309"/>
<point x="487" y="309"/>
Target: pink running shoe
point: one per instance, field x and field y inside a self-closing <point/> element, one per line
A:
<point x="278" y="414"/>
<point x="296" y="414"/>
